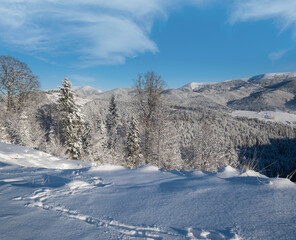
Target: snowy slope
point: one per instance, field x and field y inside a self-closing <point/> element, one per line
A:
<point x="196" y="85"/>
<point x="284" y="75"/>
<point x="86" y="91"/>
<point x="41" y="198"/>
<point x="271" y="116"/>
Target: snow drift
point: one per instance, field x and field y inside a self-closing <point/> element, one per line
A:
<point x="43" y="197"/>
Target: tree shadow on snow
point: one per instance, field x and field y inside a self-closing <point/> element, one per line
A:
<point x="38" y="177"/>
<point x="43" y="180"/>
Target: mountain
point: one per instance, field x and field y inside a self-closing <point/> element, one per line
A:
<point x="121" y="94"/>
<point x="269" y="91"/>
<point x="86" y="91"/>
<point x="264" y="92"/>
<point x="194" y="86"/>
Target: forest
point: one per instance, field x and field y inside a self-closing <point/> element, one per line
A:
<point x="145" y="129"/>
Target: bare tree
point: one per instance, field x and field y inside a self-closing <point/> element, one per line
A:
<point x="16" y="80"/>
<point x="149" y="104"/>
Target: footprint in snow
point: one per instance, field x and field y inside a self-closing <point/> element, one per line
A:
<point x="197" y="233"/>
<point x="39" y="199"/>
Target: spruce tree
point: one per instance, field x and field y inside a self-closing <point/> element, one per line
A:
<point x="111" y="123"/>
<point x="73" y="125"/>
<point x="112" y="116"/>
<point x="133" y="144"/>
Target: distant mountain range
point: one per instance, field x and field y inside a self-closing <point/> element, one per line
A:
<point x="271" y="91"/>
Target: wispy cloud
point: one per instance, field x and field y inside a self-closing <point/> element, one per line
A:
<point x="282" y="11"/>
<point x="277" y="55"/>
<point x="94" y="31"/>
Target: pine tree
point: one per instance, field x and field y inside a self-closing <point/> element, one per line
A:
<point x="73" y="125"/>
<point x="133" y="144"/>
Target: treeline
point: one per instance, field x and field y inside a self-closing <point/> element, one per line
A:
<point x="145" y="130"/>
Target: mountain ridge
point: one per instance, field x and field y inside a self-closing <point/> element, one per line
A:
<point x="269" y="91"/>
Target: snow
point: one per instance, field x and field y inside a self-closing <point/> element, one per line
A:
<point x="26" y="157"/>
<point x="43" y="197"/>
<point x="148" y="168"/>
<point x="53" y="96"/>
<point x="106" y="167"/>
<point x="197" y="85"/>
<point x="86" y="91"/>
<point x="227" y="172"/>
<point x="272" y="116"/>
<point x="278" y="75"/>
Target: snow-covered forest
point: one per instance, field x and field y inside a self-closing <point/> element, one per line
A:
<point x="147" y="127"/>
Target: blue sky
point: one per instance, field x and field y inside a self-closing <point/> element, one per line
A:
<point x="105" y="44"/>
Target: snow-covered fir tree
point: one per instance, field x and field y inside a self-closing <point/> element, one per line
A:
<point x="73" y="124"/>
<point x="112" y="116"/>
<point x="133" y="144"/>
<point x="86" y="138"/>
<point x="111" y="124"/>
<point x="100" y="150"/>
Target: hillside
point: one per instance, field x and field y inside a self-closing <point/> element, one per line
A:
<point x="197" y="121"/>
<point x="45" y="197"/>
<point x="265" y="92"/>
<point x="272" y="91"/>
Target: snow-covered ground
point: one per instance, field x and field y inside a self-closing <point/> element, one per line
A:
<point x="274" y="116"/>
<point x="43" y="197"/>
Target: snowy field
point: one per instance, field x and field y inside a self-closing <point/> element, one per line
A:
<point x="44" y="197"/>
<point x="274" y="116"/>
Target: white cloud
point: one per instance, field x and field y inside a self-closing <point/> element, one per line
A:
<point x="282" y="11"/>
<point x="95" y="31"/>
<point x="100" y="32"/>
<point x="277" y="55"/>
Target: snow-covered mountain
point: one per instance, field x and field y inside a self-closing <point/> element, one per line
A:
<point x="194" y="86"/>
<point x="44" y="197"/>
<point x="86" y="91"/>
<point x="265" y="92"/>
<point x="270" y="76"/>
<point x="269" y="91"/>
